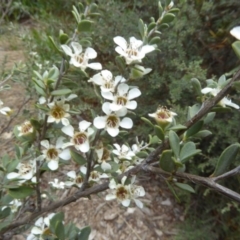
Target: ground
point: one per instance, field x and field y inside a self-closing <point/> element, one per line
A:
<point x="157" y="220"/>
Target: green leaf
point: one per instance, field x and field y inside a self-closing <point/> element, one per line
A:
<point x="185" y="187"/>
<point x="196" y="85"/>
<point x="210" y="116"/>
<point x="155" y="40"/>
<point x="188" y="150"/>
<point x="194" y="129"/>
<point x="154" y="139"/>
<point x="85" y="26"/>
<point x="63" y="38"/>
<point x="166" y="161"/>
<point x="4" y="224"/>
<point x="56" y="225"/>
<point x="226" y="158"/>
<point x="174" y="143"/>
<point x="236" y="48"/>
<point x="173" y="191"/>
<point x="5" y="212"/>
<point x="141" y="27"/>
<point x="147" y="121"/>
<point x="159" y="132"/>
<point x="177" y="127"/>
<point x="54" y="45"/>
<point x="85" y="232"/>
<point x="174" y="10"/>
<point x="168" y="17"/>
<point x="151" y="26"/>
<point x="78" y="158"/>
<point x="11" y="166"/>
<point x="120" y="63"/>
<point x="163" y="26"/>
<point x="203" y="134"/>
<point x="21" y="192"/>
<point x="193" y="110"/>
<point x="142" y="154"/>
<point x="222" y="80"/>
<point x="61" y="92"/>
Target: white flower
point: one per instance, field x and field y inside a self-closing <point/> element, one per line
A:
<point x="41" y="228"/>
<point x="79" y="58"/>
<point x="58" y="112"/>
<point x="125" y="193"/>
<point x="111" y="122"/>
<point x="53" y="153"/>
<point x="134" y="51"/>
<point x="135" y="192"/>
<point x="5" y="110"/>
<point x="224" y="102"/>
<point x="105" y="80"/>
<point x="163" y="116"/>
<point x="26" y="171"/>
<point x="14" y="205"/>
<point x="95" y="176"/>
<point x="103" y="157"/>
<point x="123" y="152"/>
<point x="25" y="128"/>
<point x="80" y="140"/>
<point x="123" y="99"/>
<point x="236" y="32"/>
<point x="120" y="192"/>
<point x="74" y="179"/>
<point x="57" y="184"/>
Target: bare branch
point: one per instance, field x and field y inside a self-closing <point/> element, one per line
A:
<point x="206" y="181"/>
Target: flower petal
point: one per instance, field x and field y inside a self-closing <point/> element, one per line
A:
<point x="83" y="125"/>
<point x="53" y="165"/>
<point x="68" y="130"/>
<point x="126" y="123"/>
<point x="65" y="154"/>
<point x="121" y="42"/>
<point x="76" y="47"/>
<point x="95" y="66"/>
<point x="99" y="122"/>
<point x="133" y="93"/>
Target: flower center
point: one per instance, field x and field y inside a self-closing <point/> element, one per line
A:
<point x="122" y="193"/>
<point x="121" y="101"/>
<point x="80" y="58"/>
<point x="94" y="175"/>
<point x="47" y="231"/>
<point x="112" y="121"/>
<point x="108" y="85"/>
<point x="79" y="138"/>
<point x="132" y="52"/>
<point x="26" y="127"/>
<point x="163" y="115"/>
<point x="25" y="169"/>
<point x="58" y="112"/>
<point x="52" y="153"/>
<point x="79" y="179"/>
<point x="105" y="155"/>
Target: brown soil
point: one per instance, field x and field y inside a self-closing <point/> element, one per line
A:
<point x="109" y="220"/>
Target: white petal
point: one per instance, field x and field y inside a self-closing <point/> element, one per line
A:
<point x="71" y="174"/>
<point x="126" y="123"/>
<point x="133" y="93"/>
<point x="99" y="122"/>
<point x="121" y="112"/>
<point x="236" y="32"/>
<point x="115" y="107"/>
<point x="106" y="108"/>
<point x="138" y="203"/>
<point x="95" y="66"/>
<point x="84" y="147"/>
<point x="67" y="50"/>
<point x="121" y="42"/>
<point x="120" y="51"/>
<point x="105" y="166"/>
<point x="123" y="88"/>
<point x="65" y="154"/>
<point x="126" y="202"/>
<point x="12" y="175"/>
<point x="112" y="184"/>
<point x="107" y="95"/>
<point x="53" y="165"/>
<point x="110" y="197"/>
<point x="83" y="169"/>
<point x="229" y="103"/>
<point x="90" y="53"/>
<point x="76" y="47"/>
<point x="113" y="131"/>
<point x="117" y="146"/>
<point x="59" y="142"/>
<point x="83" y="125"/>
<point x="135" y="42"/>
<point x="107" y="75"/>
<point x="65" y="121"/>
<point x="147" y="48"/>
<point x="206" y="90"/>
<point x="68" y="130"/>
<point x="45" y="143"/>
<point x="131" y="105"/>
<point x="119" y="79"/>
<point x="36" y="230"/>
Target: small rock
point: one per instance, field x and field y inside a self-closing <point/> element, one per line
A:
<point x="167" y="202"/>
<point x="109" y="215"/>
